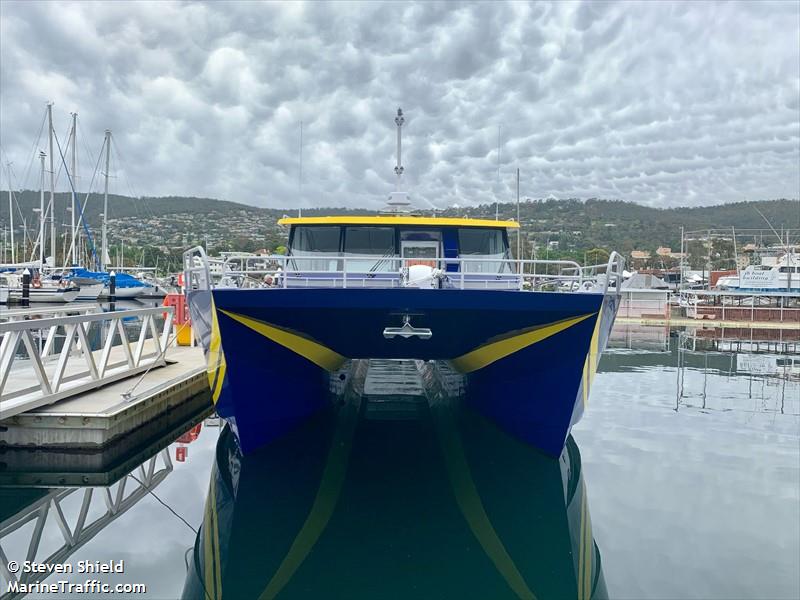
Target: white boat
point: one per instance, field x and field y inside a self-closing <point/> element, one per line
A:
<point x="3" y="295"/>
<point x="89" y="291"/>
<point x="123" y="292"/>
<point x="39" y="291"/>
<point x="784" y="276"/>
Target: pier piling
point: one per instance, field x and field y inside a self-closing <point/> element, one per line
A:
<point x="26" y="287"/>
<point x="112" y="286"/>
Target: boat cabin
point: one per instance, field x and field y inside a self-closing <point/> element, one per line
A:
<point x="384" y="244"/>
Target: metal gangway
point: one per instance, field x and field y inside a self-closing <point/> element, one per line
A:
<point x="56" y="509"/>
<point x="46" y="357"/>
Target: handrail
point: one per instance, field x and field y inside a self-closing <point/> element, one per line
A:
<point x="615" y="267"/>
<point x="37" y="381"/>
<point x="83" y="318"/>
<point x="48" y="310"/>
<point x="282" y="260"/>
<point x="196" y="277"/>
<point x="516" y="273"/>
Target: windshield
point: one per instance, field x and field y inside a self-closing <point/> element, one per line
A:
<point x="489" y="244"/>
<point x="320" y="244"/>
<point x="370" y="241"/>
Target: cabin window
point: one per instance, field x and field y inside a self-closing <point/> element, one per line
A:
<point x="420" y="247"/>
<point x="370" y="241"/>
<point x="316" y="248"/>
<point x="490" y="244"/>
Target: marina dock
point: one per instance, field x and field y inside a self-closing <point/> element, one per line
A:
<point x="55" y="395"/>
<point x="679" y="321"/>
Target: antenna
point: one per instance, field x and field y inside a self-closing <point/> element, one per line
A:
<point x="300" y="175"/>
<point x="519" y="231"/>
<point x="399" y="120"/>
<point x="496" y="199"/>
<point x="399" y="199"/>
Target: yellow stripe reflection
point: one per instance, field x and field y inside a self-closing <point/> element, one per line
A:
<point x="585" y="550"/>
<point x="324" y="504"/>
<point x="212" y="575"/>
<point x="316" y="353"/>
<point x="469" y="501"/>
<point x="494" y="351"/>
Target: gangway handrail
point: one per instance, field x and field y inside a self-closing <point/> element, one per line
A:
<point x="100" y="367"/>
<point x="49" y="310"/>
<point x="84" y="318"/>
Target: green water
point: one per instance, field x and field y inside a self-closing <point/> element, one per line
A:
<point x="682" y="481"/>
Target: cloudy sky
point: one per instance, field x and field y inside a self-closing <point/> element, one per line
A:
<point x="660" y="103"/>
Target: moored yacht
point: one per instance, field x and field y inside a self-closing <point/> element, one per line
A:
<point x="40" y="290"/>
<point x="126" y="286"/>
<point x="783" y="276"/>
<point x="403" y="286"/>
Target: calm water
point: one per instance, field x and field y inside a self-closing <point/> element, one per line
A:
<point x="682" y="481"/>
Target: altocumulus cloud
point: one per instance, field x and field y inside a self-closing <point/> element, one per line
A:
<point x="659" y="103"/>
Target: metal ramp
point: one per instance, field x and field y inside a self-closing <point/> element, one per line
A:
<point x="393" y="390"/>
<point x="35" y="371"/>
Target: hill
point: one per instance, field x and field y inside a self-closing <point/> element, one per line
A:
<point x="568" y="228"/>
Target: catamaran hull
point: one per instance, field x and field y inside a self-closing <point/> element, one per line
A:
<point x="526" y="359"/>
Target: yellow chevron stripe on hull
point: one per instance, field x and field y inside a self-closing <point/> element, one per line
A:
<point x="494" y="351"/>
<point x="317" y="353"/>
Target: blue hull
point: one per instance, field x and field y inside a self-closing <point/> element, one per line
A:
<point x="526" y="358"/>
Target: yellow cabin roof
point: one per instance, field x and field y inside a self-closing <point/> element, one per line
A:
<point x="399" y="220"/>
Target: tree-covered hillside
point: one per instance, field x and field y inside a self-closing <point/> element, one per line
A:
<point x="163" y="227"/>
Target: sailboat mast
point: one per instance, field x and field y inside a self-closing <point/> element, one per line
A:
<point x="11" y="215"/>
<point x="74" y="183"/>
<point x="105" y="200"/>
<point x="41" y="213"/>
<point x="52" y="209"/>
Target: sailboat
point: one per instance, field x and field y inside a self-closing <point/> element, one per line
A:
<point x="98" y="282"/>
<point x="41" y="290"/>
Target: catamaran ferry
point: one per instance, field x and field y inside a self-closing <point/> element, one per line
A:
<point x="525" y="336"/>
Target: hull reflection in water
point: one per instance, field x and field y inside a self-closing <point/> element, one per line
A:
<point x="442" y="505"/>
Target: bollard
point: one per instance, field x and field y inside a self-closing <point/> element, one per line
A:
<point x="112" y="286"/>
<point x="26" y="287"/>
